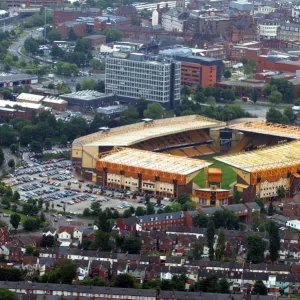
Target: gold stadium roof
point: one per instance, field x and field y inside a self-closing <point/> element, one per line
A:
<point x="135" y="133"/>
<point x="281" y="156"/>
<point x="292" y="132"/>
<point x="141" y="159"/>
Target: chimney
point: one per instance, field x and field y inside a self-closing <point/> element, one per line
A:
<point x="157" y="6"/>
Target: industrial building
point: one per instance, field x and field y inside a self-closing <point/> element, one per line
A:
<point x="134" y="76"/>
<point x="144" y="171"/>
<point x="88" y="99"/>
<point x="12" y="80"/>
<point x="51" y="102"/>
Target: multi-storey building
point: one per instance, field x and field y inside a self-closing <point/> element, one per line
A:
<point x="289" y="32"/>
<point x="267" y="30"/>
<point x="134" y="76"/>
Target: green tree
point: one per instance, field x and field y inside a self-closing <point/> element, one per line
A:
<point x="112" y="35"/>
<point x="236" y="198"/>
<point x="10" y="274"/>
<point x="13" y="148"/>
<point x="88" y="84"/>
<point x="47" y="241"/>
<point x="132" y="245"/>
<point x="72" y="36"/>
<point x="7" y="294"/>
<point x="96" y="64"/>
<point x="185" y="91"/>
<point x="31" y="224"/>
<point x="275" y="97"/>
<point x="16" y="196"/>
<point x="210" y="233"/>
<point x="54" y="35"/>
<point x="254" y="95"/>
<point x="11" y="163"/>
<point x="289" y="113"/>
<point x="200" y="220"/>
<point x="124" y="281"/>
<point x="270" y="209"/>
<point x="227" y="74"/>
<point x="255" y="220"/>
<point x="47" y="144"/>
<point x="15" y="220"/>
<point x="67" y="270"/>
<point x="154" y="111"/>
<point x="150" y="209"/>
<point x="274" y="116"/>
<point x="86" y="212"/>
<point x="256" y="249"/>
<point x="127" y="213"/>
<point x="36" y="147"/>
<point x="281" y="193"/>
<point x="1" y="157"/>
<point x="274" y="241"/>
<point x="95" y="208"/>
<point x="200" y="97"/>
<point x="259" y="288"/>
<point x="64" y="140"/>
<point x="196" y="251"/>
<point x="140" y="211"/>
<point x="220" y="245"/>
<point x="31" y="46"/>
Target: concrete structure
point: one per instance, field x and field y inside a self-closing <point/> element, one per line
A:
<point x="135" y="76"/>
<point x="29" y="3"/>
<point x="89" y="99"/>
<point x="294" y="224"/>
<point x="174" y="20"/>
<point x="289" y="32"/>
<point x="144" y="171"/>
<point x="112" y="111"/>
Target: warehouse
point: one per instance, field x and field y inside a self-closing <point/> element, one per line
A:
<point x="17" y="79"/>
<point x="144" y="171"/>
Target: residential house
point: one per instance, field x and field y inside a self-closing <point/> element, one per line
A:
<point x="50" y="231"/>
<point x="130" y="224"/>
<point x="11" y="253"/>
<point x="30" y="264"/>
<point x="45" y="265"/>
<point x="4" y="235"/>
<point x="101" y="269"/>
<point x="65" y="233"/>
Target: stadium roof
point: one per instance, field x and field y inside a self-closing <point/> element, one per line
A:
<point x="135" y="133"/>
<point x="286" y="131"/>
<point x="161" y="162"/>
<point x="263" y="159"/>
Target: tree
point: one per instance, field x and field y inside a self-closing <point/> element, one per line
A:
<point x="274" y="116"/>
<point x="67" y="270"/>
<point x="200" y="220"/>
<point x="47" y="241"/>
<point x="13" y="148"/>
<point x="112" y="35"/>
<point x="47" y="144"/>
<point x="236" y="198"/>
<point x="176" y="206"/>
<point x="64" y="141"/>
<point x="270" y="209"/>
<point x="185" y="91"/>
<point x="1" y="157"/>
<point x="10" y="274"/>
<point x="72" y="36"/>
<point x="124" y="281"/>
<point x="200" y="97"/>
<point x="256" y="249"/>
<point x="196" y="251"/>
<point x="7" y="294"/>
<point x="227" y="74"/>
<point x="140" y="211"/>
<point x="31" y="46"/>
<point x="150" y="209"/>
<point x="281" y="193"/>
<point x="78" y="87"/>
<point x="11" y="163"/>
<point x="31" y="224"/>
<point x="88" y="84"/>
<point x="220" y="245"/>
<point x="210" y="233"/>
<point x="36" y="147"/>
<point x="47" y="204"/>
<point x="274" y="241"/>
<point x="259" y="288"/>
<point x="86" y="212"/>
<point x="288" y="111"/>
<point x="54" y="35"/>
<point x="42" y="217"/>
<point x="15" y="220"/>
<point x="16" y="196"/>
<point x="127" y="213"/>
<point x="132" y="245"/>
<point x="96" y="64"/>
<point x="275" y="97"/>
<point x="95" y="281"/>
<point x="254" y="95"/>
<point x="154" y="111"/>
<point x="255" y="220"/>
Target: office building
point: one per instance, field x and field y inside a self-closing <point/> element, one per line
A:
<point x="200" y="70"/>
<point x="134" y="76"/>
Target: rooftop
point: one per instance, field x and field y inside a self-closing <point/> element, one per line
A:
<point x="17" y="77"/>
<point x="151" y="160"/>
<point x="87" y="95"/>
<point x="292" y="132"/>
<point x="264" y="159"/>
<point x="4" y="103"/>
<point x="135" y="133"/>
<point x="30" y="97"/>
<point x="54" y="100"/>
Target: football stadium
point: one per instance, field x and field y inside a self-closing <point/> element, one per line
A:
<point x="165" y="157"/>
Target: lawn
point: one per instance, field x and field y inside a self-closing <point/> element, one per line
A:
<point x="229" y="176"/>
<point x="9" y="212"/>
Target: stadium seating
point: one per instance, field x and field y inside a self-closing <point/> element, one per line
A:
<point x="204" y="149"/>
<point x="240" y="145"/>
<point x="177" y="152"/>
<point x="190" y="152"/>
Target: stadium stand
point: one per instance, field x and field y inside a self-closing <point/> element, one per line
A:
<point x="177" y="152"/>
<point x="191" y="152"/>
<point x="205" y="149"/>
<point x="240" y="145"/>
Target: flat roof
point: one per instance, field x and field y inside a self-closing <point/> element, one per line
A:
<point x="135" y="133"/>
<point x="30" y="97"/>
<point x="166" y="163"/>
<point x="16" y="77"/>
<point x="266" y="158"/>
<point x="3" y="103"/>
<point x="86" y="95"/>
<point x="280" y="130"/>
<point x="242" y="83"/>
<point x="54" y="100"/>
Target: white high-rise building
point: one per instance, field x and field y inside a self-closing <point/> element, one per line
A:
<point x="133" y="76"/>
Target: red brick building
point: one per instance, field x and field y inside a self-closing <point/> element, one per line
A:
<point x="4" y="236"/>
<point x="79" y="29"/>
<point x="291" y="210"/>
<point x="95" y="40"/>
<point x="127" y="11"/>
<point x="275" y="64"/>
<point x="62" y="15"/>
<point x="238" y="52"/>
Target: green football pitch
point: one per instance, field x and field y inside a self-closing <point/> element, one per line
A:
<point x="229" y="176"/>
